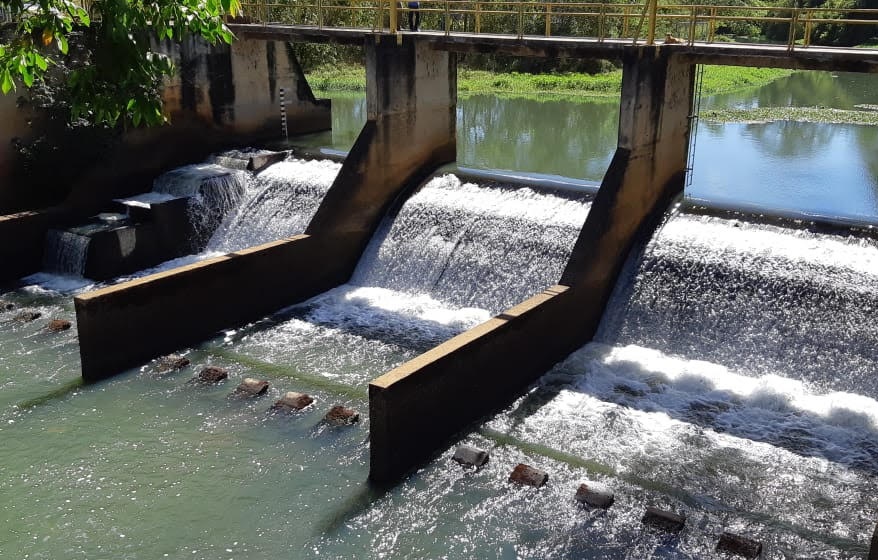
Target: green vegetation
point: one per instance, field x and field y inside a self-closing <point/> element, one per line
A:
<point x="798" y="114"/>
<point x="717" y="79"/>
<point x="99" y="63"/>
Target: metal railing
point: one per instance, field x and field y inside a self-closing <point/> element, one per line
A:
<point x="638" y="22"/>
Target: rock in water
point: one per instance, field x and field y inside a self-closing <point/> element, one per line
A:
<point x="468" y="455"/>
<point x="212" y="374"/>
<point x="251" y="388"/>
<point x="28" y="316"/>
<point x="292" y="402"/>
<point x="58" y="325"/>
<point x="529" y="476"/>
<point x="341" y="416"/>
<point x="664" y="520"/>
<point x="6" y="305"/>
<point x="172" y="362"/>
<point x="595" y="494"/>
<point x="740" y="545"/>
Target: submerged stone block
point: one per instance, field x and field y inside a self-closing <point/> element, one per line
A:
<point x="58" y="325"/>
<point x="212" y="374"/>
<point x="529" y="476"/>
<point x="595" y="494"/>
<point x="172" y="362"/>
<point x="251" y="388"/>
<point x="739" y="545"/>
<point x="664" y="520"/>
<point x="292" y="402"/>
<point x="6" y="305"/>
<point x="468" y="455"/>
<point x="341" y="416"/>
<point x="258" y="162"/>
<point x="28" y="316"/>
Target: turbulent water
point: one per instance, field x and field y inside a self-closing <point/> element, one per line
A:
<point x="65" y="252"/>
<point x="732" y="380"/>
<point x="279" y="202"/>
<point x="214" y="191"/>
<point x="452" y="256"/>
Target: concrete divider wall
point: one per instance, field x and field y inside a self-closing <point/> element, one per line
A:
<point x="124" y="325"/>
<point x="22" y="237"/>
<point x="417" y="408"/>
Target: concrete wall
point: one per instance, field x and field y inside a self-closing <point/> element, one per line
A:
<point x="418" y="407"/>
<point x="125" y="325"/>
<point x="15" y="124"/>
<point x="22" y="237"/>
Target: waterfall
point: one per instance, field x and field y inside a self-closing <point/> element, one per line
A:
<point x="214" y="192"/>
<point x="734" y="365"/>
<point x="278" y="203"/>
<point x="757" y="299"/>
<point x="453" y="255"/>
<point x="473" y="246"/>
<point x="65" y="252"/>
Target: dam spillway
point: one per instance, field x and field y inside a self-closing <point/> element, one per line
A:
<point x="453" y="255"/>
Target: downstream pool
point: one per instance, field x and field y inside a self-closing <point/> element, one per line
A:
<point x="732" y="379"/>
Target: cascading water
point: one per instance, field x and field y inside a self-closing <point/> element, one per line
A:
<point x="65" y="252"/>
<point x="451" y="257"/>
<point x="278" y="203"/>
<point x="733" y="372"/>
<point x="214" y="192"/>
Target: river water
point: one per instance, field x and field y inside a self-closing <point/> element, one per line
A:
<point x="732" y="378"/>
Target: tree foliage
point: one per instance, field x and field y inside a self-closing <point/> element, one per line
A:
<point x="115" y="73"/>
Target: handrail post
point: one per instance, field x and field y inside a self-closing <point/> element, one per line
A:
<point x="447" y="19"/>
<point x="808" y="27"/>
<point x="794" y="22"/>
<point x="601" y="23"/>
<point x="548" y="19"/>
<point x="653" y="13"/>
<point x="520" y="19"/>
<point x="692" y="18"/>
<point x="478" y="17"/>
<point x="319" y="14"/>
<point x="394" y="16"/>
<point x="626" y="12"/>
<point x="711" y="29"/>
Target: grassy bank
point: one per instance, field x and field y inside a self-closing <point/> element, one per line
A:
<point x="717" y="79"/>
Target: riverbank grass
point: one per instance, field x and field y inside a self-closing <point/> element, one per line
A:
<point x="717" y="79"/>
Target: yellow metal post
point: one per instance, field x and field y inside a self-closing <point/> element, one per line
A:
<point x="478" y="17"/>
<point x="520" y="19"/>
<point x="394" y="16"/>
<point x="626" y="13"/>
<point x="548" y="20"/>
<point x="653" y="12"/>
<point x="808" y="25"/>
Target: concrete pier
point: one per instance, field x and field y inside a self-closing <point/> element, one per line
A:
<point x="411" y="101"/>
<point x="418" y="407"/>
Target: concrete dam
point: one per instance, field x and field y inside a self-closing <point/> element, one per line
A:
<point x="671" y="381"/>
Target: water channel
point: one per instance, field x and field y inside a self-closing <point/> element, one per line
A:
<point x="733" y="378"/>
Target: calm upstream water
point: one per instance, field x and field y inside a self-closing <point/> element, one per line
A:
<point x="733" y="378"/>
<point x="804" y="169"/>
